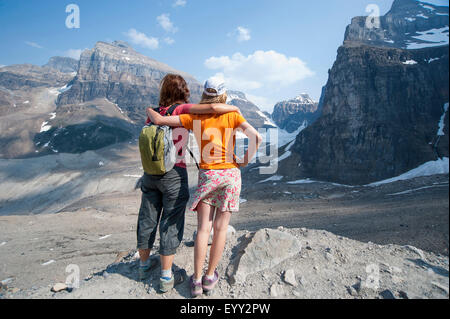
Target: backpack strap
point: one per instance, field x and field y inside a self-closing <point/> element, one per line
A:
<point x="171" y="110"/>
<point x="193" y="157"/>
<point x="169" y="113"/>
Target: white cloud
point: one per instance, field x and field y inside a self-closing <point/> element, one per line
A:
<point x="74" y="53"/>
<point x="260" y="70"/>
<point x="179" y="3"/>
<point x="169" y="40"/>
<point x="34" y="45"/>
<point x="165" y="23"/>
<point x="243" y="34"/>
<point x="141" y="39"/>
<point x="264" y="103"/>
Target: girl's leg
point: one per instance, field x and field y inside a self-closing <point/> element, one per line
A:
<point x="220" y="236"/>
<point x="205" y="215"/>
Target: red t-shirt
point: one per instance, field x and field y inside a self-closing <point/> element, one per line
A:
<point x="181" y="135"/>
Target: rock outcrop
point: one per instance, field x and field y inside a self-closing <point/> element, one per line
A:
<point x="382" y="108"/>
<point x="63" y="64"/>
<point x="123" y="76"/>
<point x="290" y="115"/>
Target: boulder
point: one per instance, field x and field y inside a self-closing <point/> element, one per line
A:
<point x="262" y="250"/>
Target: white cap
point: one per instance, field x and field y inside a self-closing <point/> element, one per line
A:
<point x="215" y="84"/>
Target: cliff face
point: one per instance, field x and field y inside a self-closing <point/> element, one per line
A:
<point x="381" y="114"/>
<point x="384" y="105"/>
<point x="290" y="115"/>
<point x="118" y="73"/>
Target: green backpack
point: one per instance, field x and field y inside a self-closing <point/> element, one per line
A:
<point x="158" y="151"/>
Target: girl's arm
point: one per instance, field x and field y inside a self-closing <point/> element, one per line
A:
<point x="215" y="108"/>
<point x="255" y="141"/>
<point x="158" y="119"/>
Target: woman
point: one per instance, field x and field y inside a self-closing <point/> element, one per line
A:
<point x="164" y="198"/>
<point x="219" y="184"/>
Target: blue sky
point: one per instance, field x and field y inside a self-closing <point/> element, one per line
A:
<point x="272" y="50"/>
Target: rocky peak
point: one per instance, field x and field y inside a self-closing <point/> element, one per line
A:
<point x="291" y="114"/>
<point x="410" y="24"/>
<point x="117" y="72"/>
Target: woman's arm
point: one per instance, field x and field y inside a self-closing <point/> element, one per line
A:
<point x="215" y="108"/>
<point x="255" y="141"/>
<point x="158" y="119"/>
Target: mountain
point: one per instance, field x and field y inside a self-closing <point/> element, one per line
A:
<point x="410" y="24"/>
<point x="124" y="77"/>
<point x="63" y="64"/>
<point x="51" y="109"/>
<point x="26" y="99"/>
<point x="249" y="110"/>
<point x="290" y="115"/>
<point x="384" y="106"/>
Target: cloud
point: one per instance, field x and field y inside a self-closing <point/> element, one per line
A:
<point x="143" y="40"/>
<point x="165" y="23"/>
<point x="169" y="40"/>
<point x="74" y="53"/>
<point x="262" y="69"/>
<point x="34" y="45"/>
<point x="243" y="34"/>
<point x="179" y="3"/>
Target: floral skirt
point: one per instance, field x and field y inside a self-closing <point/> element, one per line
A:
<point x="219" y="188"/>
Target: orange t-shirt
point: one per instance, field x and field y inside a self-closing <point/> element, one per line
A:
<point x="215" y="134"/>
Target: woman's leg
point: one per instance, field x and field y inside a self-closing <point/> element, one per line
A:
<point x="205" y="215"/>
<point x="220" y="236"/>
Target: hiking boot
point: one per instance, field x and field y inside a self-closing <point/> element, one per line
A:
<point x="196" y="288"/>
<point x="144" y="271"/>
<point x="209" y="284"/>
<point x="178" y="277"/>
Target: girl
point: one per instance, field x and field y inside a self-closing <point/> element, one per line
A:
<point x="219" y="181"/>
<point x="164" y="198"/>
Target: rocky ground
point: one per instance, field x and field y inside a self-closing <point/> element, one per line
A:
<point x="340" y="238"/>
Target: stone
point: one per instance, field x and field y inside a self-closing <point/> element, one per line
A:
<point x="264" y="250"/>
<point x="387" y="294"/>
<point x="289" y="277"/>
<point x="59" y="287"/>
<point x="276" y="290"/>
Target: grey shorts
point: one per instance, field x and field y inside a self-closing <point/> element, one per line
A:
<point x="164" y="200"/>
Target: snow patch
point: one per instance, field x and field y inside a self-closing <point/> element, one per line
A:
<point x="433" y="37"/>
<point x="45" y="127"/>
<point x="439" y="166"/>
<point x="415" y="189"/>
<point x="272" y="178"/>
<point x="441" y="122"/>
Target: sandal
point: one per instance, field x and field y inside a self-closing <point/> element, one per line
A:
<point x="209" y="284"/>
<point x="196" y="288"/>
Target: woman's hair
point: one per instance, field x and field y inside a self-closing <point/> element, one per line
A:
<point x="173" y="89"/>
<point x="206" y="99"/>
